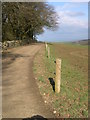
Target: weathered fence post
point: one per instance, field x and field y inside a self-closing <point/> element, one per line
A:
<point x="48" y="52"/>
<point x="46" y="46"/>
<point x="58" y="75"/>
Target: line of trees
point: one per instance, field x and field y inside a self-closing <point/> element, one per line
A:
<point x="25" y="20"/>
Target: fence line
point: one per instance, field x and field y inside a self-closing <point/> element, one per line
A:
<point x="58" y="71"/>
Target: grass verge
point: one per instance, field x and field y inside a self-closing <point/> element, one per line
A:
<point x="72" y="101"/>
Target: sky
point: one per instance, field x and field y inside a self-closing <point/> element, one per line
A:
<point x="73" y="22"/>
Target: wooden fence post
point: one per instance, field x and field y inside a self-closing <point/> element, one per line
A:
<point x="46" y="46"/>
<point x="48" y="52"/>
<point x="58" y="75"/>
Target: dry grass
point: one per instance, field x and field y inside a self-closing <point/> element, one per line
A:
<point x="72" y="102"/>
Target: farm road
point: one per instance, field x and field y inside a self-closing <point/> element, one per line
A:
<point x="21" y="97"/>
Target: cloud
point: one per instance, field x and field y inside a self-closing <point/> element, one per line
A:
<point x="68" y="0"/>
<point x="78" y="0"/>
<point x="67" y="5"/>
<point x="75" y="14"/>
<point x="67" y="19"/>
<point x="73" y="21"/>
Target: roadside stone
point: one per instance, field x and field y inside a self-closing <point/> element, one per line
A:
<point x="54" y="112"/>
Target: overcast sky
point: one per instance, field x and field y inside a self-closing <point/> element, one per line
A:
<point x="73" y="22"/>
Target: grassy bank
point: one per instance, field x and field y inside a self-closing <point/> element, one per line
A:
<point x="72" y="101"/>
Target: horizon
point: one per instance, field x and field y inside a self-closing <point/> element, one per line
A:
<point x="58" y="41"/>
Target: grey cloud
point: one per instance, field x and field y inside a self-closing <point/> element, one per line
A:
<point x="75" y="14"/>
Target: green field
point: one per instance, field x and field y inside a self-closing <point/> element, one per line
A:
<point x="72" y="101"/>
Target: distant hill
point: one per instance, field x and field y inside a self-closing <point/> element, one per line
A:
<point x="82" y="42"/>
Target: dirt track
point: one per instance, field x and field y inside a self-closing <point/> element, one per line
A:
<point x="21" y="97"/>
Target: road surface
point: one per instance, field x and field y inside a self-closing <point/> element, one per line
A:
<point x="20" y="96"/>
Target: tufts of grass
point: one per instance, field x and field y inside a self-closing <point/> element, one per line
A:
<point x="73" y="98"/>
<point x="34" y="69"/>
<point x="72" y="101"/>
<point x="41" y="79"/>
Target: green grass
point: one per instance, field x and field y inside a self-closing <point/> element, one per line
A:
<point x="72" y="101"/>
<point x="73" y="98"/>
<point x="41" y="79"/>
<point x="76" y="45"/>
<point x="34" y="69"/>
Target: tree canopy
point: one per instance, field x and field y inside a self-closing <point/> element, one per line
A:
<point x="25" y="20"/>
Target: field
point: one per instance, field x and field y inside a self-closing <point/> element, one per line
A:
<point x="72" y="101"/>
